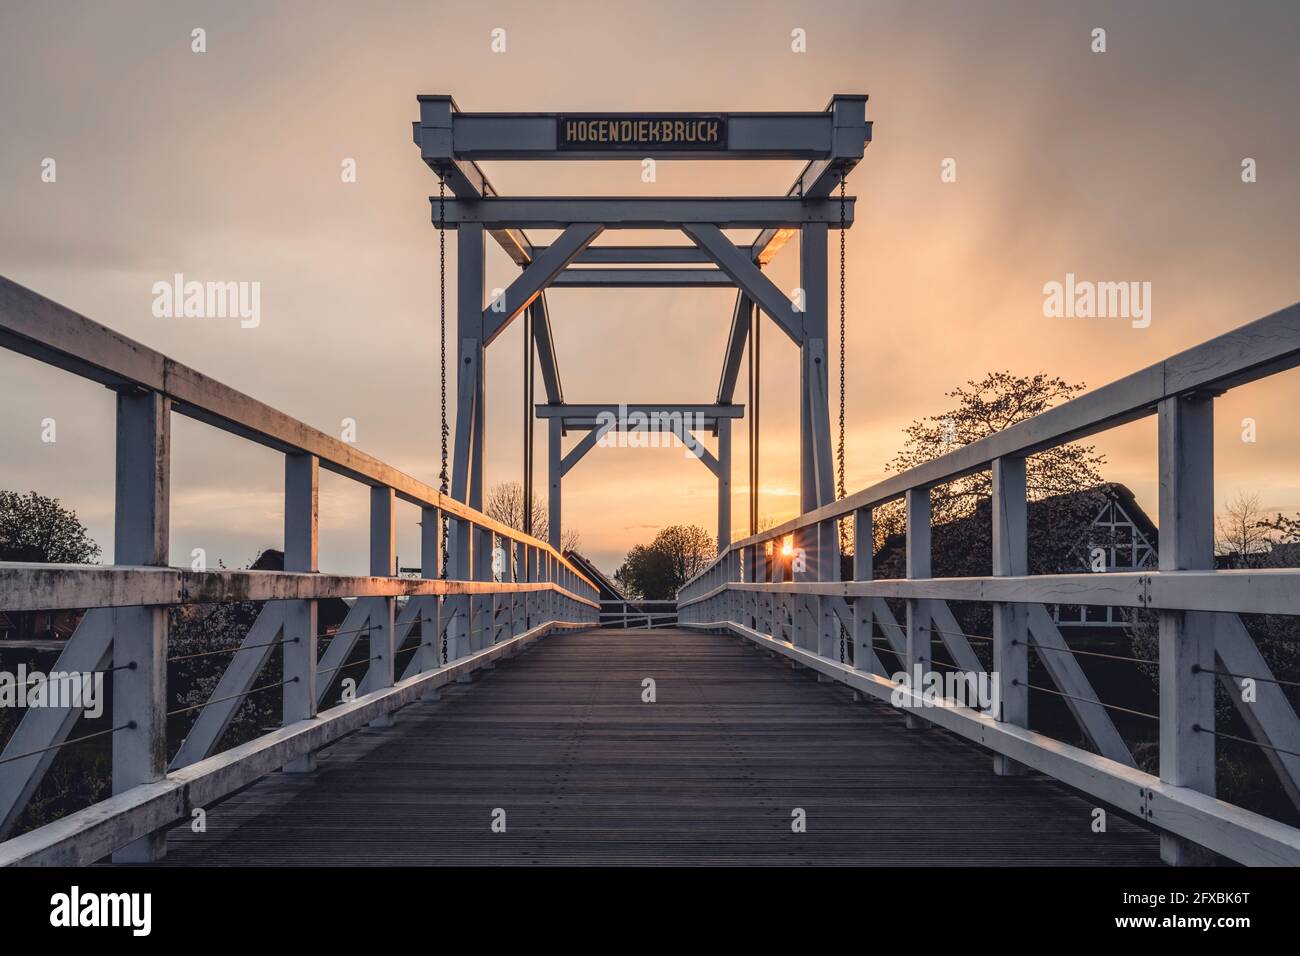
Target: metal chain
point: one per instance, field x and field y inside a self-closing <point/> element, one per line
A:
<point x="443" y="477"/>
<point x="839" y="453"/>
<point x="839" y="457"/>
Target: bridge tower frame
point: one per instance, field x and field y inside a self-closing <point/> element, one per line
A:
<point x="831" y="142"/>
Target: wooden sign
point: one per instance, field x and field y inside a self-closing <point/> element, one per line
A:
<point x="623" y="131"/>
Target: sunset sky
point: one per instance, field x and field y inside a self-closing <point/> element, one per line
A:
<point x="1115" y="166"/>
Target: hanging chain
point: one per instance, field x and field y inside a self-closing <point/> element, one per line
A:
<point x="443" y="478"/>
<point x="839" y="455"/>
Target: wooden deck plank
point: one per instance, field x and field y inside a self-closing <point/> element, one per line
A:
<point x="708" y="774"/>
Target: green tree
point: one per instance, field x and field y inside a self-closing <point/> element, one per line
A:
<point x="982" y="408"/>
<point x="36" y="528"/>
<point x="656" y="571"/>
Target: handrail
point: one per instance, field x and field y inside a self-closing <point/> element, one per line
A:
<point x="47" y="587"/>
<point x="852" y="631"/>
<point x="1253" y="351"/>
<point x="56" y="335"/>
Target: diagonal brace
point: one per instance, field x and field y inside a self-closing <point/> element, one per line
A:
<point x="536" y="277"/>
<point x="749" y="277"/>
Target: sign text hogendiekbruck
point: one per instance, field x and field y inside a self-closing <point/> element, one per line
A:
<point x="641" y="132"/>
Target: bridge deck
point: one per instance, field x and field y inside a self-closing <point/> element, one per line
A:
<point x="559" y="738"/>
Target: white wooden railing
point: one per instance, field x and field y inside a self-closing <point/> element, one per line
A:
<point x="750" y="590"/>
<point x="502" y="590"/>
<point x="638" y="614"/>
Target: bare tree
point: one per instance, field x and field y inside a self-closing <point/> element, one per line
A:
<point x="570" y="539"/>
<point x="505" y="503"/>
<point x="1241" y="531"/>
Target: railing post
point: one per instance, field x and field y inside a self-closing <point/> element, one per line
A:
<point x="747" y="576"/>
<point x="1010" y="621"/>
<point x="733" y="572"/>
<point x="545" y="604"/>
<point x="489" y="605"/>
<point x="554" y="458"/>
<point x="918" y="566"/>
<point x="430" y="651"/>
<point x="519" y="599"/>
<point x="383" y="555"/>
<point x="724" y="483"/>
<point x="557" y="578"/>
<point x="301" y="553"/>
<point x="828" y="569"/>
<point x="456" y="610"/>
<point x="140" y="536"/>
<point x="864" y="542"/>
<point x="1186" y="637"/>
<point x="805" y="547"/>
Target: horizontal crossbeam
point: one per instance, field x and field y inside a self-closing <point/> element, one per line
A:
<point x="1269" y="591"/>
<point x="647" y="417"/>
<point x="643" y="278"/>
<point x="45" y="587"/>
<point x="629" y="212"/>
<point x="542" y="136"/>
<point x="636" y="255"/>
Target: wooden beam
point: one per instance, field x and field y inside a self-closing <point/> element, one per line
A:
<point x="535" y="278"/>
<point x="1187" y="639"/>
<point x="141" y="530"/>
<point x="758" y="287"/>
<point x="1010" y="621"/>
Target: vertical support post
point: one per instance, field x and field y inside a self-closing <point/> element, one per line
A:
<point x="804" y="540"/>
<point x="456" y="610"/>
<point x="1010" y="621"/>
<point x="430" y="652"/>
<point x="483" y="630"/>
<point x="301" y="553"/>
<point x="918" y="566"/>
<point x="471" y="287"/>
<point x="816" y="474"/>
<point x="530" y="375"/>
<point x="816" y="479"/>
<point x="467" y="460"/>
<point x="724" y="483"/>
<point x="140" y="536"/>
<point x="828" y="569"/>
<point x="1186" y="637"/>
<point x="383" y="555"/>
<point x="748" y="604"/>
<point x="864" y="542"/>
<point x="519" y="599"/>
<point x="553" y="468"/>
